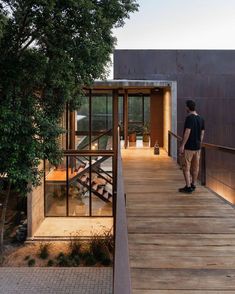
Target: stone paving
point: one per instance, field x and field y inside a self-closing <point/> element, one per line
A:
<point x="55" y="280"/>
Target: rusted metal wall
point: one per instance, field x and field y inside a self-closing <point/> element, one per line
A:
<point x="208" y="77"/>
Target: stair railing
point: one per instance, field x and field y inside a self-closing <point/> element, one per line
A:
<point x="204" y="148"/>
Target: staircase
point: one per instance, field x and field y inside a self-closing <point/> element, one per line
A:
<point x="100" y="184"/>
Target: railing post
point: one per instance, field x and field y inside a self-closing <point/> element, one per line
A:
<point x="203" y="166"/>
<point x="169" y="143"/>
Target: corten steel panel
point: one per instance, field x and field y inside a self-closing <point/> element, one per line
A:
<point x="156" y="118"/>
<point x="208" y="77"/>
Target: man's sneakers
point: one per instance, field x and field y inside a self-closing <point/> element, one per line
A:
<point x="186" y="189"/>
<point x="193" y="187"/>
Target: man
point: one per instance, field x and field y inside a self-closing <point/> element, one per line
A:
<point x="194" y="130"/>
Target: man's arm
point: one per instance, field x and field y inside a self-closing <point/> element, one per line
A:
<point x="202" y="135"/>
<point x="185" y="139"/>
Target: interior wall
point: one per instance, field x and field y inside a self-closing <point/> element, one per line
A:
<point x="167" y="116"/>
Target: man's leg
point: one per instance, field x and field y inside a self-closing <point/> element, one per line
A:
<point x="195" y="167"/>
<point x="186" y="163"/>
<point x="186" y="170"/>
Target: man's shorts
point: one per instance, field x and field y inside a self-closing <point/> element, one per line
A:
<point x="190" y="160"/>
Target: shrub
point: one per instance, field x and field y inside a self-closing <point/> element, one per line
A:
<point x="89" y="259"/>
<point x="109" y="240"/>
<point x="96" y="246"/>
<point x="68" y="260"/>
<point x="31" y="262"/>
<point x="62" y="260"/>
<point x="76" y="260"/>
<point x="106" y="261"/>
<point x="44" y="250"/>
<point x="75" y="247"/>
<point x="50" y="262"/>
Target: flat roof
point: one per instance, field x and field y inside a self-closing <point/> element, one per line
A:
<point x="125" y="84"/>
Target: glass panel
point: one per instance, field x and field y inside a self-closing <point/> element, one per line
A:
<point x="102" y="186"/>
<point x="78" y="192"/>
<point x="147" y="110"/>
<point x="102" y="120"/>
<point x="55" y="189"/>
<point x="120" y="114"/>
<point x="82" y="124"/>
<point x="135" y="115"/>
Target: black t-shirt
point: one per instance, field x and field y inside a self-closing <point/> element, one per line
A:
<point x="196" y="124"/>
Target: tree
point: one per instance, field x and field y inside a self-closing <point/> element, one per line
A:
<point x="49" y="49"/>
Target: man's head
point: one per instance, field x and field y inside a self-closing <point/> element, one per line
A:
<point x="190" y="105"/>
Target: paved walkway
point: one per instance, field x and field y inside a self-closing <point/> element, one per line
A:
<point x="178" y="243"/>
<point x="55" y="280"/>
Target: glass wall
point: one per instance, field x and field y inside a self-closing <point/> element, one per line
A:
<point x="55" y="189"/>
<point x="82" y="124"/>
<point x="80" y="186"/>
<point x="102" y="120"/>
<point x="138" y="114"/>
<point x="94" y="121"/>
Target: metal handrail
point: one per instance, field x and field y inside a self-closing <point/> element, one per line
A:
<point x="203" y="153"/>
<point x="208" y="145"/>
<point x="122" y="277"/>
<point x="98" y="137"/>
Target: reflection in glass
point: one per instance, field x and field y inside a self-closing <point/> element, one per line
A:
<point x="55" y="189"/>
<point x="102" y="120"/>
<point x="82" y="124"/>
<point x="102" y="186"/>
<point x="79" y="184"/>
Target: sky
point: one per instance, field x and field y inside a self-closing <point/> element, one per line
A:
<point x="179" y="24"/>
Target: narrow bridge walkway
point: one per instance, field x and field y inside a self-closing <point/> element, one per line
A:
<point x="178" y="243"/>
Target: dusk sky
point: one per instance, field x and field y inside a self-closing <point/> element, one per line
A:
<point x="179" y="24"/>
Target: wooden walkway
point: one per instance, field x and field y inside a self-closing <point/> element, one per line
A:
<point x="178" y="243"/>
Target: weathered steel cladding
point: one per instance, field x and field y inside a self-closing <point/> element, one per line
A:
<point x="208" y="77"/>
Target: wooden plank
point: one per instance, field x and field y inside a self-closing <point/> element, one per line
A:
<point x="183" y="239"/>
<point x="136" y="291"/>
<point x="179" y="211"/>
<point x="181" y="225"/>
<point x="178" y="243"/>
<point x="183" y="279"/>
<point x="138" y="260"/>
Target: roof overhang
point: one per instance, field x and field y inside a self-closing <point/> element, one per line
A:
<point x="127" y="84"/>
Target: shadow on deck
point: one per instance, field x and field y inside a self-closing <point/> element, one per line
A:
<point x="178" y="243"/>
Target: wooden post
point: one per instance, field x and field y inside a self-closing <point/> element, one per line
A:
<point x="125" y="122"/>
<point x="169" y="144"/>
<point x="115" y="136"/>
<point x="72" y="130"/>
<point x="203" y="166"/>
<point x="72" y="160"/>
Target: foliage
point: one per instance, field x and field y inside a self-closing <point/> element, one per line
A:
<point x="75" y="246"/>
<point x="44" y="250"/>
<point x="64" y="260"/>
<point x="48" y="51"/>
<point x="101" y="247"/>
<point x="146" y="128"/>
<point x="50" y="262"/>
<point x="88" y="258"/>
<point x="31" y="262"/>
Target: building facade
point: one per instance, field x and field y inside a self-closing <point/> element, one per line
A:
<point x="145" y="100"/>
